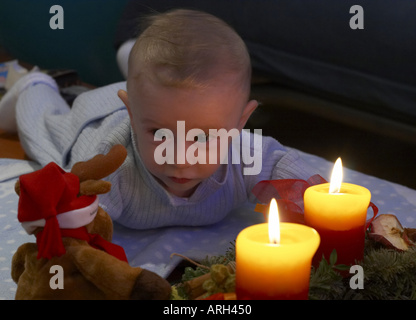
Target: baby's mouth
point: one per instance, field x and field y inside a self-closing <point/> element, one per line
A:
<point x="179" y="180"/>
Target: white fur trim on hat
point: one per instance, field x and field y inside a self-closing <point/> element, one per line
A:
<point x="67" y="220"/>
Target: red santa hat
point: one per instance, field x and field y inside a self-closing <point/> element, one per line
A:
<point x="49" y="199"/>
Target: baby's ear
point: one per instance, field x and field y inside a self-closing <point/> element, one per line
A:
<point x="247" y="111"/>
<point x="122" y="94"/>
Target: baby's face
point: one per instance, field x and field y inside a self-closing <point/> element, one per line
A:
<point x="154" y="107"/>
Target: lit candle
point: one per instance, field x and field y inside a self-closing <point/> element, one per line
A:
<point x="338" y="211"/>
<point x="273" y="260"/>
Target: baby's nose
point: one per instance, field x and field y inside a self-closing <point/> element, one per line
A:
<point x="184" y="156"/>
<point x="173" y="156"/>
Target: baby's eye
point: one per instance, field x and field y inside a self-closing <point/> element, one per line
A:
<point x="204" y="137"/>
<point x="161" y="134"/>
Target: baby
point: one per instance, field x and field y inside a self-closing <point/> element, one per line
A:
<point x="192" y="67"/>
<point x="185" y="107"/>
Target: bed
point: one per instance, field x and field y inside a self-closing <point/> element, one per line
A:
<point x="152" y="249"/>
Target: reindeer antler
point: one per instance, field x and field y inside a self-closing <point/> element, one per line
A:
<point x="100" y="166"/>
<point x="95" y="169"/>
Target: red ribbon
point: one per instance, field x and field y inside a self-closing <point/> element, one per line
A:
<point x="94" y="240"/>
<point x="375" y="211"/>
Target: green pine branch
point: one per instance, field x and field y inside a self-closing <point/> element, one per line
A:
<point x="388" y="275"/>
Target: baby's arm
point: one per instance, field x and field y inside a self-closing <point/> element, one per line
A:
<point x="278" y="162"/>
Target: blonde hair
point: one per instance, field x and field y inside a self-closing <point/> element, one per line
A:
<point x="187" y="49"/>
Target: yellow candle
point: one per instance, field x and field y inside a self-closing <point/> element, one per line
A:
<point x="339" y="217"/>
<point x="277" y="267"/>
<point x="339" y="211"/>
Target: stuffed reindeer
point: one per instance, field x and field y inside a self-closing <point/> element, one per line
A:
<point x="73" y="257"/>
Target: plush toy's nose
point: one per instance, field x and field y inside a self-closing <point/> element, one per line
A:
<point x="150" y="286"/>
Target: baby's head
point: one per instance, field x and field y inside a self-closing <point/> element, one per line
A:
<point x="191" y="67"/>
<point x="188" y="49"/>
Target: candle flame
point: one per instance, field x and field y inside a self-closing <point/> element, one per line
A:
<point x="336" y="177"/>
<point x="274" y="224"/>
